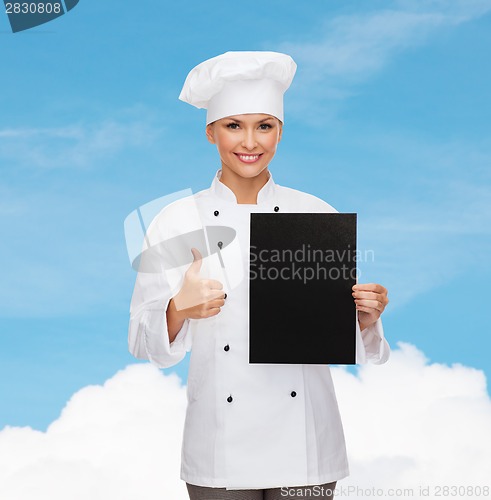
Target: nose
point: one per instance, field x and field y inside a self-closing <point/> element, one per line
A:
<point x="249" y="139"/>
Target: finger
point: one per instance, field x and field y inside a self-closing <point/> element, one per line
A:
<point x="213" y="311"/>
<point x="187" y="301"/>
<point x="195" y="267"/>
<point x="373" y="296"/>
<point x="368" y="310"/>
<point x="215" y="303"/>
<point x="370" y="287"/>
<point x="213" y="284"/>
<point x="214" y="294"/>
<point x="367" y="295"/>
<point x="374" y="305"/>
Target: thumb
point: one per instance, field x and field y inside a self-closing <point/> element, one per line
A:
<point x="195" y="267"/>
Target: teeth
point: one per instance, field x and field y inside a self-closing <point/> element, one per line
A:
<point x="249" y="157"/>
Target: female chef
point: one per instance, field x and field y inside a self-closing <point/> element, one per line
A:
<point x="252" y="431"/>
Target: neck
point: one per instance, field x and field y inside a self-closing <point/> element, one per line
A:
<point x="244" y="188"/>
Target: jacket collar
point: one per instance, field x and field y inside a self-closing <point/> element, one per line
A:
<point x="222" y="191"/>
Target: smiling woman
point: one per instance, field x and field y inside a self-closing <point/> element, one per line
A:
<point x="251" y="429"/>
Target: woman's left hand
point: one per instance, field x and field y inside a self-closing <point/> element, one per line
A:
<point x="370" y="300"/>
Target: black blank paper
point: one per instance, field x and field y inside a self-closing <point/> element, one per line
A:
<point x="302" y="269"/>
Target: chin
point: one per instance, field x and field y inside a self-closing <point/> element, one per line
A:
<point x="248" y="172"/>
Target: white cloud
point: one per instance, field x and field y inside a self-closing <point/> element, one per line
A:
<point x="412" y="423"/>
<point x="408" y="423"/>
<point x="120" y="440"/>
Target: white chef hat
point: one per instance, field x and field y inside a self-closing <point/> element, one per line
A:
<point x="237" y="83"/>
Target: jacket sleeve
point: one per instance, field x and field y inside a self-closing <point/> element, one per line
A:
<point x="371" y="345"/>
<point x="148" y="337"/>
<point x="168" y="238"/>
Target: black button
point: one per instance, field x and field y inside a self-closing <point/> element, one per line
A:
<point x="215" y="213"/>
<point x="230" y="399"/>
<point x="293" y="394"/>
<point x="276" y="209"/>
<point x="220" y="244"/>
<point x="226" y="348"/>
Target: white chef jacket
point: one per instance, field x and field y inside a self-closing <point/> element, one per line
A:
<point x="247" y="425"/>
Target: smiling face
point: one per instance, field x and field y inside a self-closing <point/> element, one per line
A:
<point x="246" y="144"/>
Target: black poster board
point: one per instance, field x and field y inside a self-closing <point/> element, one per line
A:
<point x="302" y="269"/>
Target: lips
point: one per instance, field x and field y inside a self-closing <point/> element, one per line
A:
<point x="248" y="158"/>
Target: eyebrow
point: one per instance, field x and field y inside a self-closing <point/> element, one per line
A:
<point x="260" y="121"/>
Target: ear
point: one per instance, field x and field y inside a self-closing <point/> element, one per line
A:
<point x="209" y="133"/>
<point x="281" y="130"/>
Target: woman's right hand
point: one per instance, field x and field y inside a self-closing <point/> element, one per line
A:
<point x="198" y="298"/>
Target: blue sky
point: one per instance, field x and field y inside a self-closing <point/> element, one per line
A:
<point x="388" y="116"/>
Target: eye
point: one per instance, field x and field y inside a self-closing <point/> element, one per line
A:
<point x="233" y="125"/>
<point x="265" y="126"/>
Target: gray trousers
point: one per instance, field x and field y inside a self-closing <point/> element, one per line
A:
<point x="323" y="491"/>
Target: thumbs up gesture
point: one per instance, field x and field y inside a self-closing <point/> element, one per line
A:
<point x="198" y="298"/>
